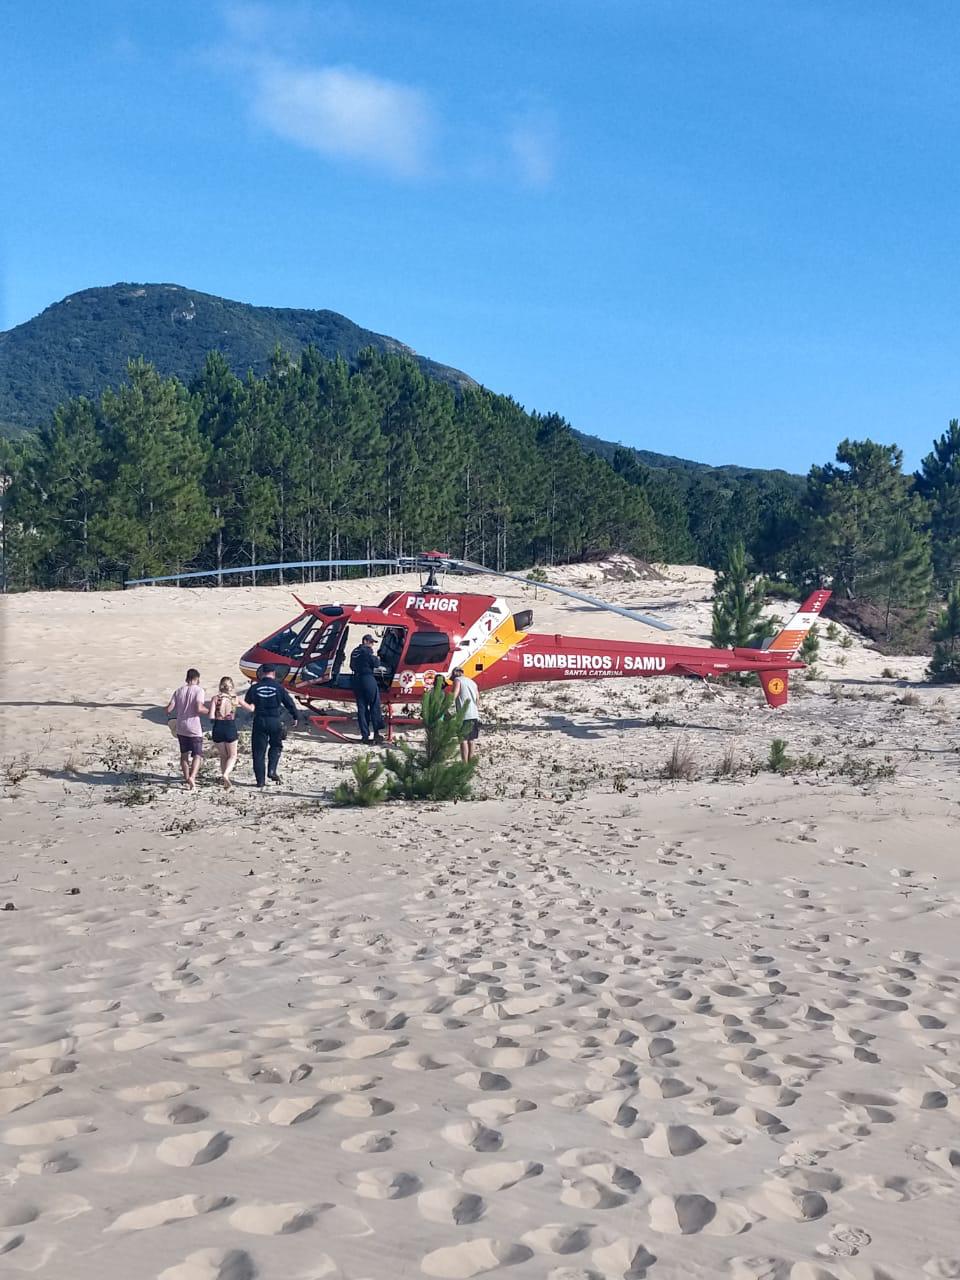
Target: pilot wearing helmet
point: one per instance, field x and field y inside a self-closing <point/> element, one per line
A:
<point x="365" y="664"/>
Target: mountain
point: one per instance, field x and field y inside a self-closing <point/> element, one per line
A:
<point x="683" y="469"/>
<point x="81" y="345"/>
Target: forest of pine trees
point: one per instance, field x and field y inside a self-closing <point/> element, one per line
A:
<point x="320" y="459"/>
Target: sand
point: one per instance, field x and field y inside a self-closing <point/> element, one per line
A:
<point x="594" y="1024"/>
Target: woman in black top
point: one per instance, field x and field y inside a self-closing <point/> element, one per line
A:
<point x="223" y="710"/>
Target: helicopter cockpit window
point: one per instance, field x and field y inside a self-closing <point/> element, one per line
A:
<point x="293" y="641"/>
<point x="428" y="649"/>
<point x="327" y="650"/>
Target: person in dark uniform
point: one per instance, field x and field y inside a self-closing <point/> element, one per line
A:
<point x="364" y="665"/>
<point x="267" y="699"/>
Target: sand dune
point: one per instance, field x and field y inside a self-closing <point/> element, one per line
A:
<point x="593" y="1025"/>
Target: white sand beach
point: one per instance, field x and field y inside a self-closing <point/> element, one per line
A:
<point x="592" y="1025"/>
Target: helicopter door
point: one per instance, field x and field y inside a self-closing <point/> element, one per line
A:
<point x="391" y="647"/>
<point x="327" y="646"/>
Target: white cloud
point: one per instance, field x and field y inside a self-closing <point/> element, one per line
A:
<point x="532" y="151"/>
<point x="340" y="111"/>
<point x="349" y="114"/>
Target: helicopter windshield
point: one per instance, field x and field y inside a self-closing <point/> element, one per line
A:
<point x="326" y="656"/>
<point x="294" y="640"/>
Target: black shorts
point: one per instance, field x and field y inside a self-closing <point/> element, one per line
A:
<point x="190" y="746"/>
<point x="471" y="730"/>
<point x="224" y="731"/>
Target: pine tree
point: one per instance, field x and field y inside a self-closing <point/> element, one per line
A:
<point x="155" y="515"/>
<point x="738" y="604"/>
<point x="366" y="790"/>
<point x="435" y="772"/>
<point x="218" y="396"/>
<point x="938" y="482"/>
<point x="900" y="575"/>
<point x="850" y="512"/>
<point x="945" y="664"/>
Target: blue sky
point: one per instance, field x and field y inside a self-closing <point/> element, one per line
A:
<point x="724" y="229"/>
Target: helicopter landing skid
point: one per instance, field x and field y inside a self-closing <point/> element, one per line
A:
<point x="326" y="721"/>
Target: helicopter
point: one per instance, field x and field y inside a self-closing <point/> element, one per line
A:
<point x="425" y="634"/>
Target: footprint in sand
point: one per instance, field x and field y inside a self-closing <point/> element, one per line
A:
<point x="272" y="1219"/>
<point x="18" y="1097"/>
<point x="213" y="1264"/>
<point x="370" y="1047"/>
<point x="382" y="1184"/>
<point x="555" y="1237"/>
<point x="179" y="1113"/>
<point x="666" y="1140"/>
<point x="189" y="1149"/>
<point x="370" y="1143"/>
<point x="473" y="1258"/>
<point x="509" y="1058"/>
<point x="448" y="1204"/>
<point x="471" y="1135"/>
<point x="165" y="1211"/>
<point x="781" y="1199"/>
<point x="501" y="1174"/>
<point x="844" y="1241"/>
<point x="45" y="1162"/>
<point x="588" y="1193"/>
<point x="18" y="1215"/>
<point x="295" y="1110"/>
<point x="31" y="1135"/>
<point x="363" y="1106"/>
<point x="942" y="1268"/>
<point x="412" y="1061"/>
<point x="688" y="1215"/>
<point x="626" y="1258"/>
<point x="487" y="1081"/>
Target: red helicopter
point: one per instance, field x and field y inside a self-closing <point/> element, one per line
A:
<point x="425" y="634"/>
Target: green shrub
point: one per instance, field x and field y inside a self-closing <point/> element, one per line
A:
<point x="778" y="761"/>
<point x="366" y="790"/>
<point x="435" y="771"/>
<point x="777" y="590"/>
<point x="810" y="649"/>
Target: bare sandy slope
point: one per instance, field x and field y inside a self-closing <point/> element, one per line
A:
<point x="595" y="1024"/>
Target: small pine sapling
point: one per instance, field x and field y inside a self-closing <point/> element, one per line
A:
<point x="366" y="790"/>
<point x="778" y="761"/>
<point x="434" y="772"/>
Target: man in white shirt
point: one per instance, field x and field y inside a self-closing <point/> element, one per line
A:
<point x="466" y="697"/>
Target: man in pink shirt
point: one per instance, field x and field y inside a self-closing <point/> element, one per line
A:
<point x="188" y="705"/>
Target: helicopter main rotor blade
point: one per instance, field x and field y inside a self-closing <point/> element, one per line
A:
<point x="566" y="591"/>
<point x="258" y="568"/>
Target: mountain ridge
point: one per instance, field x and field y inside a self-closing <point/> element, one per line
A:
<point x="81" y="344"/>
